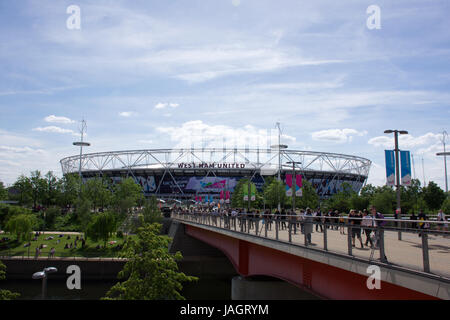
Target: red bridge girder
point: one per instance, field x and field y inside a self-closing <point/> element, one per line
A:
<point x="250" y="259"/>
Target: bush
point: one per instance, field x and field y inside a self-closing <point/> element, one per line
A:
<point x="119" y="234"/>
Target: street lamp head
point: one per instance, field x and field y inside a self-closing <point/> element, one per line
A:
<point x="403" y="132"/>
<point x="388" y="131"/>
<point x="39" y="275"/>
<point x="50" y="270"/>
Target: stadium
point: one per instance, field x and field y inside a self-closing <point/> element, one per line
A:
<point x="199" y="173"/>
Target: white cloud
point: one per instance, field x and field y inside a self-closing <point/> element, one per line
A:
<point x="54" y="129"/>
<point x="165" y="105"/>
<point x="336" y="135"/>
<point x="54" y="119"/>
<point x="406" y="141"/>
<point x="127" y="114"/>
<point x="199" y="134"/>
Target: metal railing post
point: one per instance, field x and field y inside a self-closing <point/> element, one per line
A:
<point x="381" y="242"/>
<point x="265" y="227"/>
<point x="349" y="240"/>
<point x="425" y="253"/>
<point x="290" y="230"/>
<point x="277" y="225"/>
<point x="325" y="244"/>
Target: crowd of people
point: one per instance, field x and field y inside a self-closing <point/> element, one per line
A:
<point x="362" y="223"/>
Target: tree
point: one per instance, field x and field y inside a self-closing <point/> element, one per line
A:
<point x="51" y="190"/>
<point x="126" y="195"/>
<point x="68" y="190"/>
<point x="3" y="192"/>
<point x="102" y="226"/>
<point x="446" y="206"/>
<point x="151" y="212"/>
<point x="151" y="272"/>
<point x="83" y="214"/>
<point x="23" y="186"/>
<point x="433" y="195"/>
<point x="237" y="198"/>
<point x="97" y="192"/>
<point x="38" y="188"/>
<point x="309" y="198"/>
<point x="274" y="191"/>
<point x="384" y="200"/>
<point x="341" y="200"/>
<point x="21" y="225"/>
<point x="6" y="294"/>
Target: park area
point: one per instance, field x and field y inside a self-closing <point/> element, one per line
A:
<point x="65" y="244"/>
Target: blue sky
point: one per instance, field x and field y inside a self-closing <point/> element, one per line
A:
<point x="144" y="74"/>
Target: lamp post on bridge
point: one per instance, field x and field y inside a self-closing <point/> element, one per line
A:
<point x="445" y="154"/>
<point x="397" y="174"/>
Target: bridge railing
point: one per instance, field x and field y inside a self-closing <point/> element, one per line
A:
<point x="425" y="245"/>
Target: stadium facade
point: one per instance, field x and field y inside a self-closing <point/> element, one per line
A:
<point x="200" y="172"/>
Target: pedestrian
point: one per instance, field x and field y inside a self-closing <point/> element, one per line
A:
<point x="318" y="220"/>
<point x="367" y="223"/>
<point x="413" y="218"/>
<point x="283" y="219"/>
<point x="441" y="218"/>
<point x="308" y="225"/>
<point x="355" y="222"/>
<point x="422" y="225"/>
<point x="341" y="223"/>
<point x="37" y="252"/>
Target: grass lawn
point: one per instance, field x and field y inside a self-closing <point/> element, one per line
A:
<point x="13" y="248"/>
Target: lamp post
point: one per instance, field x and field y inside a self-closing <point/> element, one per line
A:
<point x="397" y="174"/>
<point x="445" y="154"/>
<point x="294" y="182"/>
<point x="44" y="275"/>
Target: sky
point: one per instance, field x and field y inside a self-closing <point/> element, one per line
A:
<point x="167" y="74"/>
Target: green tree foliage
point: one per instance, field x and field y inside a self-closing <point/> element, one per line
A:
<point x="433" y="195"/>
<point x="126" y="195"/>
<point x="97" y="192"/>
<point x="3" y="192"/>
<point x="21" y="225"/>
<point x="309" y="198"/>
<point x="38" y="188"/>
<point x="273" y="191"/>
<point x="341" y="200"/>
<point x="6" y="294"/>
<point x="237" y="198"/>
<point x="151" y="272"/>
<point x="446" y="205"/>
<point x="83" y="214"/>
<point x="51" y="192"/>
<point x="102" y="226"/>
<point x="151" y="212"/>
<point x="68" y="189"/>
<point x="384" y="200"/>
<point x="23" y="186"/>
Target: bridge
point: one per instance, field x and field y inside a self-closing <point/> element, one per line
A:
<point x="330" y="267"/>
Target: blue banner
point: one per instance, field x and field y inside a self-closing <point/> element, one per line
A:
<point x="405" y="168"/>
<point x="390" y="167"/>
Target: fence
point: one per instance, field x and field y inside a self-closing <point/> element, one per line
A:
<point x="423" y="247"/>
